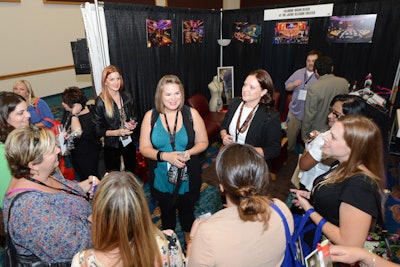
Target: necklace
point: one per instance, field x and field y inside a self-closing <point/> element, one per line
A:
<point x="245" y="124"/>
<point x="172" y="135"/>
<point x="61" y="189"/>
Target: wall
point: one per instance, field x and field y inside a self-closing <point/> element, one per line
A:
<point x="36" y="38"/>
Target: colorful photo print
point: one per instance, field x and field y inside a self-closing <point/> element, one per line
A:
<point x="291" y="32"/>
<point x="158" y="33"/>
<point x="351" y="29"/>
<point x="193" y="31"/>
<point x="246" y="33"/>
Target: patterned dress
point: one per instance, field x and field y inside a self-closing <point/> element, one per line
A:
<point x="170" y="250"/>
<point x="52" y="226"/>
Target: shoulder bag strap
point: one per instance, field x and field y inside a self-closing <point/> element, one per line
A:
<point x="285" y="223"/>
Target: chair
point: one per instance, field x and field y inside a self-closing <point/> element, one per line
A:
<point x="212" y="120"/>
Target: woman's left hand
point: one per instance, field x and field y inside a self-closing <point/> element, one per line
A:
<point x="88" y="184"/>
<point x="301" y="199"/>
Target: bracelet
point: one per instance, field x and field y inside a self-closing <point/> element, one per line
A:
<point x="373" y="259"/>
<point x="159" y="159"/>
<point x="75" y="115"/>
<point x="309" y="211"/>
<point x="373" y="262"/>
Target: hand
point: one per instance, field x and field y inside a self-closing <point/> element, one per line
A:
<point x="348" y="254"/>
<point x="301" y="199"/>
<point x="297" y="83"/>
<point x="175" y="158"/>
<point x="88" y="184"/>
<point x="185" y="155"/>
<point x="130" y="125"/>
<point x="76" y="109"/>
<point x="228" y="139"/>
<point x="66" y="107"/>
<point x="124" y="132"/>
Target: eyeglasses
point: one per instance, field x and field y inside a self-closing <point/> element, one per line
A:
<point x="335" y="113"/>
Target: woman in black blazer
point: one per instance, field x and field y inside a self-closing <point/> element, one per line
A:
<point x="251" y="119"/>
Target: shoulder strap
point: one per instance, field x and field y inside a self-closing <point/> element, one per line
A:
<point x="188" y="123"/>
<point x="290" y="251"/>
<point x="285" y="223"/>
<point x="154" y="116"/>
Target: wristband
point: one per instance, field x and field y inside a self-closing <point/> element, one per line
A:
<point x="159" y="156"/>
<point x="309" y="211"/>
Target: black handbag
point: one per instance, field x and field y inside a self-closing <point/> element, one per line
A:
<point x="13" y="259"/>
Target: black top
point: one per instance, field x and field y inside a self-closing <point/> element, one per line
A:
<point x="264" y="130"/>
<point x="102" y="122"/>
<point x="358" y="191"/>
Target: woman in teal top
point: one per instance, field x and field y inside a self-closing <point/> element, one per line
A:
<point x="13" y="114"/>
<point x="158" y="137"/>
<point x="172" y="136"/>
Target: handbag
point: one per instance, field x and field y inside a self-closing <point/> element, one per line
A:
<point x="13" y="259"/>
<point x="296" y="248"/>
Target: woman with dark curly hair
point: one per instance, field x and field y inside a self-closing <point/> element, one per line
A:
<point x="78" y="121"/>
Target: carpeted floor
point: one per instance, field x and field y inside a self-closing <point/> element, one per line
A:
<point x="210" y="199"/>
<point x="278" y="188"/>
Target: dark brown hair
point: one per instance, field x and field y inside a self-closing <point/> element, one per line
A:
<point x="244" y="175"/>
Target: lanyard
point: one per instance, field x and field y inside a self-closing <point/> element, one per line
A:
<point x="172" y="135"/>
<point x="245" y="125"/>
<point x="306" y="80"/>
<point x="122" y="114"/>
<point x="62" y="189"/>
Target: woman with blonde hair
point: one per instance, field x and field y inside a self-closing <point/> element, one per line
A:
<point x="348" y="197"/>
<point x="45" y="215"/>
<point x="41" y="115"/>
<point x="123" y="233"/>
<point x="113" y="113"/>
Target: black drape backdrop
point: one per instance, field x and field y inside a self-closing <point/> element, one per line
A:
<point x="196" y="64"/>
<point x="142" y="67"/>
<point x="352" y="61"/>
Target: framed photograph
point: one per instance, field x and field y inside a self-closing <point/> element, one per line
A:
<point x="225" y="75"/>
<point x="246" y="33"/>
<point x="193" y="31"/>
<point x="351" y="29"/>
<point x="159" y="32"/>
<point x="291" y="32"/>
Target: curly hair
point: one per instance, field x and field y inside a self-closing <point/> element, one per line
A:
<point x="73" y="95"/>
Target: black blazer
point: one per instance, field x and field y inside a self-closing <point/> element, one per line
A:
<point x="264" y="130"/>
<point x="102" y="122"/>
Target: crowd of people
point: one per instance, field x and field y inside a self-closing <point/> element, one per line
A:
<point x="105" y="221"/>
